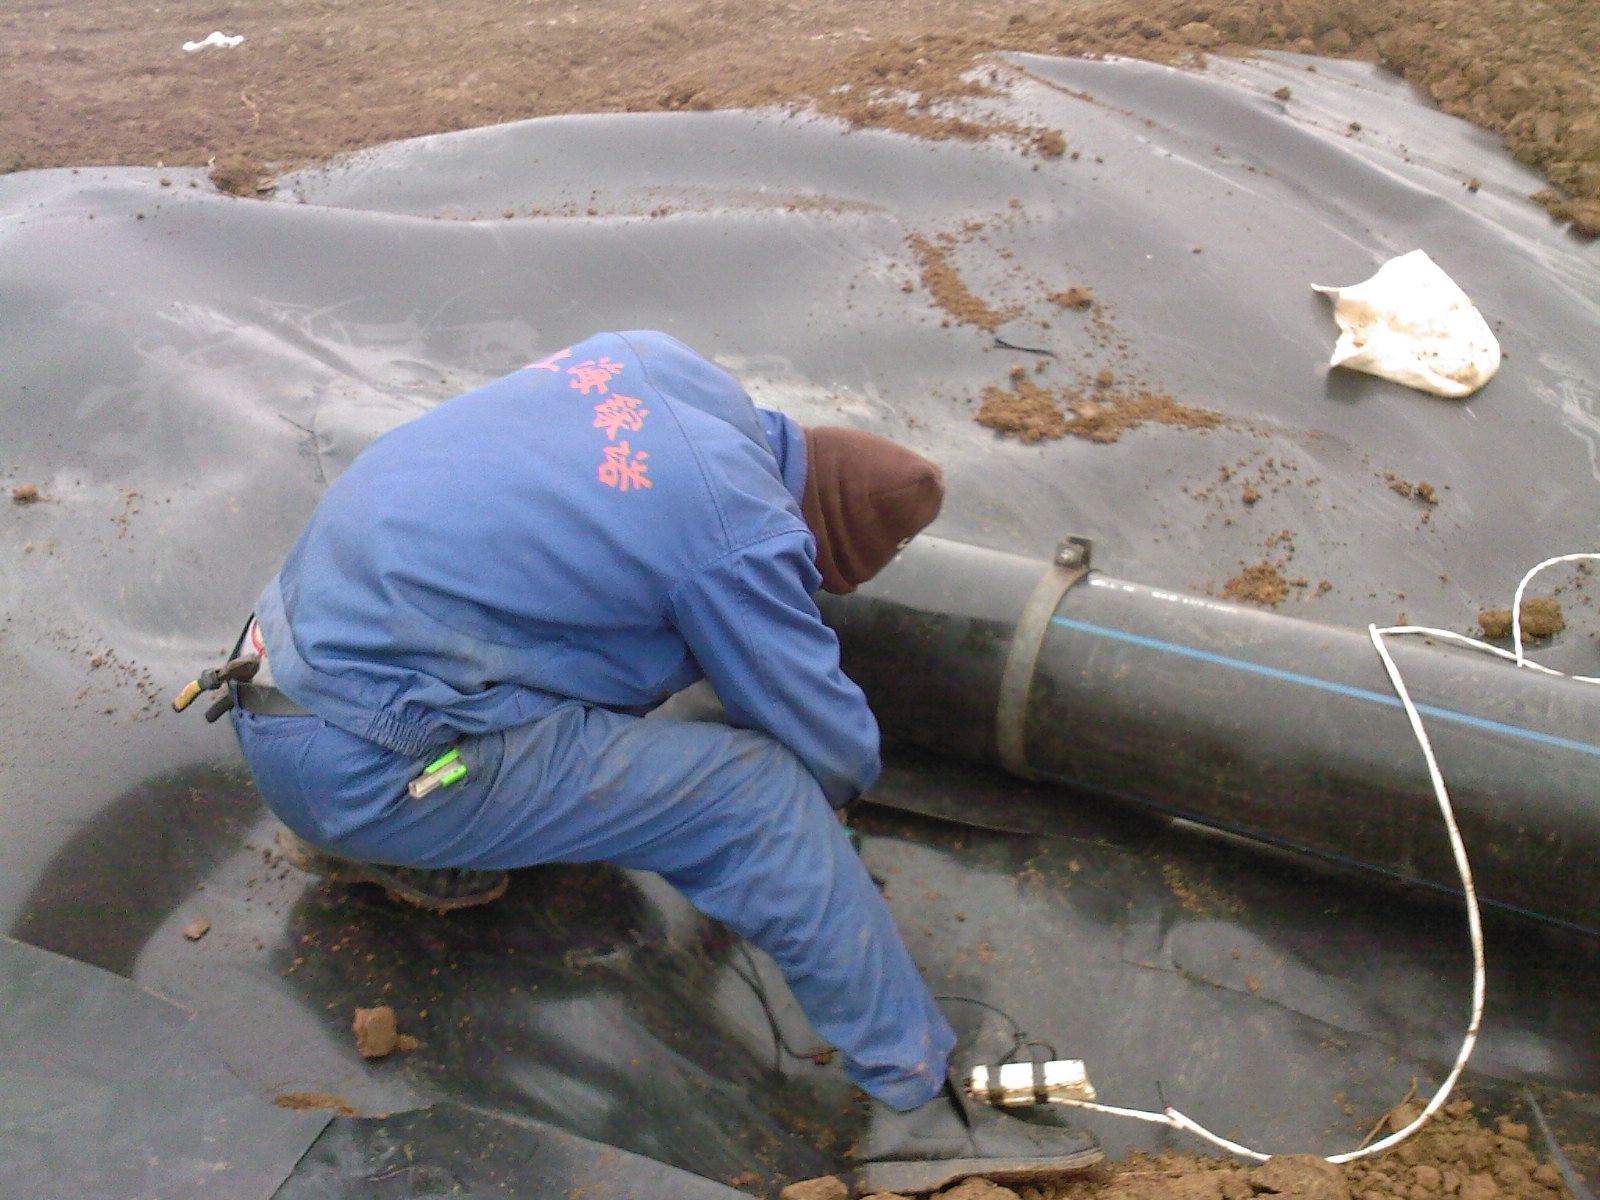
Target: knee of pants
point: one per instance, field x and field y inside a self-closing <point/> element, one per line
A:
<point x="757" y="802"/>
<point x="773" y="796"/>
<point x="768" y="856"/>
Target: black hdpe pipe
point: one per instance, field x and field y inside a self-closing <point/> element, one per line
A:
<point x="1268" y="727"/>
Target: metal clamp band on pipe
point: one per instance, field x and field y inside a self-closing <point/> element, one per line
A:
<point x="1071" y="563"/>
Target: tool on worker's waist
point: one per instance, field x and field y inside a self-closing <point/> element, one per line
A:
<point x="237" y="670"/>
<point x="441" y="772"/>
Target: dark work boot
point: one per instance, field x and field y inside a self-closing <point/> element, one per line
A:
<point x="440" y="889"/>
<point x="953" y="1136"/>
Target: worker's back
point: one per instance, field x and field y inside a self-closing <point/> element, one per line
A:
<point x="519" y="546"/>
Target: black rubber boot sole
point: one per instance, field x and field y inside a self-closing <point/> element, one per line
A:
<point x="308" y="858"/>
<point x="914" y="1177"/>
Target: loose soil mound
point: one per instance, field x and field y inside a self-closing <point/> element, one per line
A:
<point x="1260" y="583"/>
<point x="1454" y="1156"/>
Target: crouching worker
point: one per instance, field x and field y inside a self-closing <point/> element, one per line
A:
<point x="458" y="654"/>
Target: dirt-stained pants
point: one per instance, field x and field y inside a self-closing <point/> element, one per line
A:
<point x="728" y="816"/>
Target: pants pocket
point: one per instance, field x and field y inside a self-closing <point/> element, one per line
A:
<point x="275" y="749"/>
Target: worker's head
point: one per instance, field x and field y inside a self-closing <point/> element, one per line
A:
<point x="865" y="498"/>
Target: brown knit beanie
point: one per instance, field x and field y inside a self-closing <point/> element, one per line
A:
<point x="865" y="496"/>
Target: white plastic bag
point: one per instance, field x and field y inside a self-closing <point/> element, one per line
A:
<point x="215" y="38"/>
<point x="1412" y="324"/>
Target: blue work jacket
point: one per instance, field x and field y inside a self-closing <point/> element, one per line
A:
<point x="605" y="526"/>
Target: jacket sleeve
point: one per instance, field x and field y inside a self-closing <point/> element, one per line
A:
<point x="751" y="624"/>
<point x="787" y="439"/>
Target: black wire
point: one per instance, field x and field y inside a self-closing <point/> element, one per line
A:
<point x="1005" y="345"/>
<point x="1552" y="1148"/>
<point x="772" y="1026"/>
<point x="780" y="1045"/>
<point x="1052" y="1056"/>
<point x="1018" y="1038"/>
<point x="753" y="982"/>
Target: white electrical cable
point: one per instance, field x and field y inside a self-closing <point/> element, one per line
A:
<point x="1516" y="601"/>
<point x="1177" y="1120"/>
<point x="1517" y="656"/>
<point x="1449" y="635"/>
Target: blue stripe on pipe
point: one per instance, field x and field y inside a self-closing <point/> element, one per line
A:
<point x="1325" y="685"/>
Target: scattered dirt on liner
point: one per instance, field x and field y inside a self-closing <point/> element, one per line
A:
<point x="307" y="1101"/>
<point x="949" y="291"/>
<point x="1034" y="413"/>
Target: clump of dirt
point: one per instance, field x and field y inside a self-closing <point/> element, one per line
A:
<point x="1027" y="411"/>
<point x="824" y="1187"/>
<point x="239" y="175"/>
<point x="1260" y="583"/>
<point x="1421" y="490"/>
<point x="1048" y="143"/>
<point x="949" y="291"/>
<point x="197" y="929"/>
<point x="1076" y="296"/>
<point x="307" y="1101"/>
<point x="377" y="1033"/>
<point x="1541" y="618"/>
<point x="1035" y="413"/>
<point x="26" y="493"/>
<point x="1454" y="1155"/>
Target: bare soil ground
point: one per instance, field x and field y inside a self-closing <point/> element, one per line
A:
<point x="1457" y="1156"/>
<point x="106" y="81"/>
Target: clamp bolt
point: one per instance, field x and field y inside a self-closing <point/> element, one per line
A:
<point x="1074" y="552"/>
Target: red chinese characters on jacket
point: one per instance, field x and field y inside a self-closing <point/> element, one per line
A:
<point x="624" y="468"/>
<point x="593" y="374"/>
<point x="619" y="412"/>
<point x="621" y="466"/>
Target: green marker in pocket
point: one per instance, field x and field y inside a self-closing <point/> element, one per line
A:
<point x="442" y="771"/>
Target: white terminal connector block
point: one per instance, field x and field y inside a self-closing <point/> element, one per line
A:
<point x="1022" y="1083"/>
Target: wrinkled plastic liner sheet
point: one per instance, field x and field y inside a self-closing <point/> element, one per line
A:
<point x="108" y="1091"/>
<point x="185" y="371"/>
<point x="452" y="1151"/>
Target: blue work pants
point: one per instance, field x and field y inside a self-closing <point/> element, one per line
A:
<point x="727" y="816"/>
